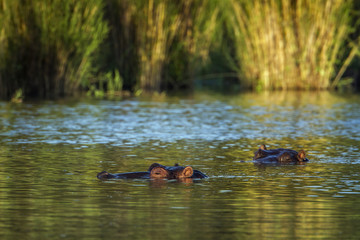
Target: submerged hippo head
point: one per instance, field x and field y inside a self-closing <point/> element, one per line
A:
<point x="103" y="175"/>
<point x="279" y="155"/>
<point x="176" y="172"/>
<point x="157" y="171"/>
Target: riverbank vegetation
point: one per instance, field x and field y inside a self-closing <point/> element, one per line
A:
<point x="57" y="48"/>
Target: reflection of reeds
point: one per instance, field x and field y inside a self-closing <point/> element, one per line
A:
<point x="291" y="44"/>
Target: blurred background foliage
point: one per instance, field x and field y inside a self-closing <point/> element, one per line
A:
<point x="56" y="48"/>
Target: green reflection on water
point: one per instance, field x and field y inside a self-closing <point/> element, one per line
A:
<point x="50" y="191"/>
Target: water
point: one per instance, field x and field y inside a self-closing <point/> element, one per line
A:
<point x="50" y="153"/>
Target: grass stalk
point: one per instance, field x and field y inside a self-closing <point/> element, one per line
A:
<point x="290" y="44"/>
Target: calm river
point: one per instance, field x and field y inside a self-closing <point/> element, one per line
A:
<point x="51" y="151"/>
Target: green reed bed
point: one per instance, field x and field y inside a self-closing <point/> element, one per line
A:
<point x="166" y="41"/>
<point x="52" y="48"/>
<point x="47" y="47"/>
<point x="283" y="44"/>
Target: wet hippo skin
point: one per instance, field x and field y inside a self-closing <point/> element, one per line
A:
<point x="157" y="171"/>
<point x="279" y="155"/>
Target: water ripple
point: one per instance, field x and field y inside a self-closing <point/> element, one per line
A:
<point x="137" y="121"/>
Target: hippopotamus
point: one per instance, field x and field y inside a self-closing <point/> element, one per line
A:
<point x="279" y="155"/>
<point x="157" y="171"/>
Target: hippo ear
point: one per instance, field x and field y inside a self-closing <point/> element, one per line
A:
<point x="188" y="172"/>
<point x="301" y="155"/>
<point x="262" y="147"/>
<point x="159" y="172"/>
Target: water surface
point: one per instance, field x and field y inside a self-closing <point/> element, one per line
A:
<point x="51" y="152"/>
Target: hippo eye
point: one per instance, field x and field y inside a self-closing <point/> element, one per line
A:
<point x="158" y="172"/>
<point x="285" y="157"/>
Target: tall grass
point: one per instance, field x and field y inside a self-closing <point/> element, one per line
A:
<point x="156" y="27"/>
<point x="283" y="44"/>
<point x="171" y="33"/>
<point x="120" y="49"/>
<point x="48" y="46"/>
<point x="199" y="30"/>
<point x="51" y="48"/>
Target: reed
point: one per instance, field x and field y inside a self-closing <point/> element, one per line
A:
<point x="53" y="48"/>
<point x="199" y="31"/>
<point x="283" y="44"/>
<point x="48" y="47"/>
<point x="156" y="29"/>
<point x="120" y="48"/>
<point x="166" y="41"/>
